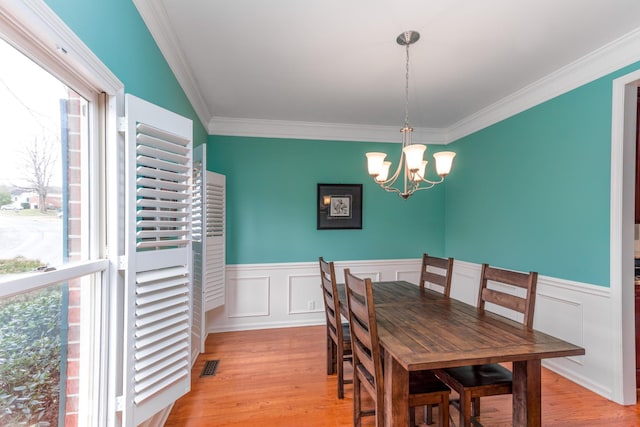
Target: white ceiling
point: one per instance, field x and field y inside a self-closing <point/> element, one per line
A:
<point x="336" y="64"/>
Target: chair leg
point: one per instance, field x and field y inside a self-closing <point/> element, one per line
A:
<point x="331" y="355"/>
<point x="379" y="412"/>
<point x="444" y="412"/>
<point x="340" y="366"/>
<point x="357" y="410"/>
<point x="429" y="410"/>
<point x="475" y="406"/>
<point x="465" y="410"/>
<point x="412" y="417"/>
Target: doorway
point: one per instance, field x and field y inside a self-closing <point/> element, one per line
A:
<point x="622" y="239"/>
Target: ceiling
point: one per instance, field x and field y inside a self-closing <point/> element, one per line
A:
<point x="335" y="64"/>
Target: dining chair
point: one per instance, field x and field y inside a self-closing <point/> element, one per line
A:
<point x="428" y="274"/>
<point x="424" y="387"/>
<point x="338" y="338"/>
<point x="474" y="382"/>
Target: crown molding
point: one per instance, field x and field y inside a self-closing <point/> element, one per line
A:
<point x="322" y="131"/>
<point x="155" y="17"/>
<point x="607" y="59"/>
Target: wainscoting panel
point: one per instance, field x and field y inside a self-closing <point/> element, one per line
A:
<point x="248" y="297"/>
<point x="305" y="295"/>
<point x="263" y="296"/>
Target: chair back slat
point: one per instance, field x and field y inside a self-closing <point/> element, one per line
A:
<point x="437" y="278"/>
<point x="527" y="281"/>
<point x="510" y="277"/>
<point x="505" y="300"/>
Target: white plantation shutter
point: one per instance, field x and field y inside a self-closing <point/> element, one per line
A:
<point x="214" y="232"/>
<point x="197" y="312"/>
<point x="208" y="232"/>
<point x="157" y="261"/>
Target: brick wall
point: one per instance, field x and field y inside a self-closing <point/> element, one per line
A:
<point x="74" y="240"/>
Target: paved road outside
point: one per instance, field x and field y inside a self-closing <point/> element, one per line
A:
<point x="34" y="237"/>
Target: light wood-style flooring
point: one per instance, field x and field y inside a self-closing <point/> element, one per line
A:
<point x="277" y="378"/>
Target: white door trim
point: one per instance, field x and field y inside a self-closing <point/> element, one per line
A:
<point x="623" y="120"/>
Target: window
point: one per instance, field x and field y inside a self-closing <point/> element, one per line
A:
<point x="103" y="281"/>
<point x="55" y="288"/>
<point x="46" y="344"/>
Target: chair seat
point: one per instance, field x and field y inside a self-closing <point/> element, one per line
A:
<point x="346" y="338"/>
<point x="345" y="332"/>
<point x="421" y="382"/>
<point x="480" y="375"/>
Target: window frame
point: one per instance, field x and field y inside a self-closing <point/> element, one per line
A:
<point x="35" y="30"/>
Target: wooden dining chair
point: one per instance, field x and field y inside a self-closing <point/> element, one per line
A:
<point x="474" y="382"/>
<point x="338" y="338"/>
<point x="428" y="274"/>
<point x="424" y="387"/>
<point x="436" y="271"/>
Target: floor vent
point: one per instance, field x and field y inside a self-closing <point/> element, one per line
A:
<point x="210" y="368"/>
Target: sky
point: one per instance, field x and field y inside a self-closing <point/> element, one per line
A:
<point x="29" y="109"/>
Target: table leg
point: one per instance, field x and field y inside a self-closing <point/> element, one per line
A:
<point x="396" y="393"/>
<point x="526" y="394"/>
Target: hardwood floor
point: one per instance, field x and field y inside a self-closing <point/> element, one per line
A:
<point x="277" y="378"/>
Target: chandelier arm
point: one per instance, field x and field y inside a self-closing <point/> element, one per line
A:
<point x="431" y="185"/>
<point x="389" y="182"/>
<point x="392" y="190"/>
<point x="428" y="181"/>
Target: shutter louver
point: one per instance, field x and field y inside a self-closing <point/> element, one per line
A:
<point x="163" y="185"/>
<point x="157" y="360"/>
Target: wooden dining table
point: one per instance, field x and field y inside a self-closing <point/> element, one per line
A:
<point x="421" y="329"/>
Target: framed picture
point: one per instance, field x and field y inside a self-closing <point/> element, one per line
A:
<point x="339" y="206"/>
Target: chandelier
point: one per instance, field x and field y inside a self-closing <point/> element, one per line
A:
<point x="411" y="165"/>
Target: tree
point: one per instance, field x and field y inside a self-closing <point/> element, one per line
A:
<point x="40" y="159"/>
<point x="5" y="197"/>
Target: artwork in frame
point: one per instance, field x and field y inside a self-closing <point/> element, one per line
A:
<point x="339" y="206"/>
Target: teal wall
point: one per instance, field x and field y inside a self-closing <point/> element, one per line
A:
<point x="116" y="34"/>
<point x="528" y="193"/>
<point x="532" y="192"/>
<point x="271" y="203"/>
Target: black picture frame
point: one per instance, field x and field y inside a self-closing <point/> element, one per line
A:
<point x="339" y="206"/>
